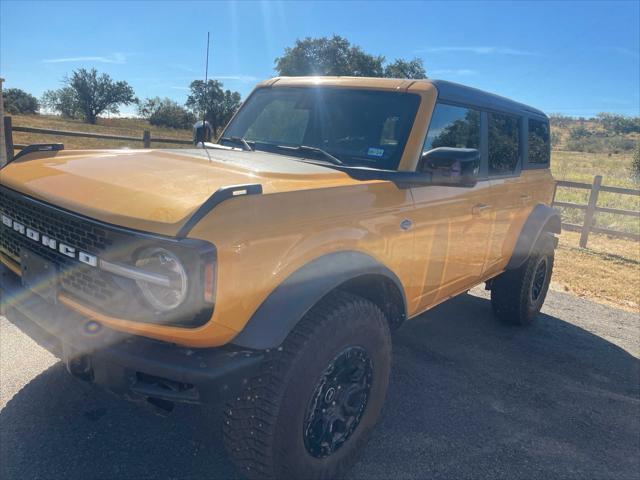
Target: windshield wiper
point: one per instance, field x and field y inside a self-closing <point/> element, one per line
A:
<point x="316" y="150"/>
<point x="239" y="141"/>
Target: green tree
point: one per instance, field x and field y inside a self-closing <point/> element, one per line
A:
<point x="18" y="101"/>
<point x="62" y="101"/>
<point x="166" y="113"/>
<point x="88" y="95"/>
<point x="337" y="56"/>
<point x="405" y="69"/>
<point x="328" y="56"/>
<point x="219" y="104"/>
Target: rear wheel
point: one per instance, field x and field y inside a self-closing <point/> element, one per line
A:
<point x="318" y="397"/>
<point x="517" y="295"/>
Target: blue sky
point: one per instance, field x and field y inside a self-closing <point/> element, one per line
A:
<point x="576" y="58"/>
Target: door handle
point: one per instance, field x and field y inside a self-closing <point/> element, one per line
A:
<point x="480" y="209"/>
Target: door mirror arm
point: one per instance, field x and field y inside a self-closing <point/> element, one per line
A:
<point x="450" y="166"/>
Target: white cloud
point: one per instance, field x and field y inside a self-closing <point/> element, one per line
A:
<point x="453" y="71"/>
<point x="476" y="49"/>
<point x="239" y="78"/>
<point x="113" y="58"/>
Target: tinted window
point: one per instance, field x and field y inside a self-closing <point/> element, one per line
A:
<point x="539" y="142"/>
<point x="504" y="144"/>
<point x="280" y="122"/>
<point x="453" y="127"/>
<point x="360" y="127"/>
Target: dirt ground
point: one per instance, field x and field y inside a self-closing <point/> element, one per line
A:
<point x="608" y="271"/>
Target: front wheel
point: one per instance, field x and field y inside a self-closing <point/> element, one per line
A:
<point x="517" y="295"/>
<point x="318" y="398"/>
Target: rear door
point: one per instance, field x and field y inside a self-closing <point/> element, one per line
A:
<point x="510" y="194"/>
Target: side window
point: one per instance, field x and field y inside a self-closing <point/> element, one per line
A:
<point x="451" y="126"/>
<point x="539" y="142"/>
<point x="504" y="143"/>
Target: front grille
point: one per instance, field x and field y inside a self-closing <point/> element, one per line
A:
<point x="84" y="282"/>
<point x="111" y="294"/>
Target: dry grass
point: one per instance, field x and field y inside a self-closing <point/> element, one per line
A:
<point x="582" y="167"/>
<point x="608" y="271"/>
<point x="131" y="127"/>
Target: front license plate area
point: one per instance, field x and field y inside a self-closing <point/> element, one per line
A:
<point x="39" y="275"/>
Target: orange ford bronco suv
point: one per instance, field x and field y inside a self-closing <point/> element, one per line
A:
<point x="266" y="271"/>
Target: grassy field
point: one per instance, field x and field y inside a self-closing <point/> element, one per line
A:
<point x="131" y="127"/>
<point x="582" y="167"/>
<point x="607" y="271"/>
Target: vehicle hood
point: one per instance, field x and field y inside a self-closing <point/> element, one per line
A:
<point x="155" y="190"/>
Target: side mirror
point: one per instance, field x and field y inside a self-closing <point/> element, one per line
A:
<point x="451" y="166"/>
<point x="201" y="132"/>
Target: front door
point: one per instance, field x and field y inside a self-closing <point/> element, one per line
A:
<point x="452" y="224"/>
<point x="452" y="231"/>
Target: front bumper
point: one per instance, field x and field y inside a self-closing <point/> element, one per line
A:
<point x="132" y="366"/>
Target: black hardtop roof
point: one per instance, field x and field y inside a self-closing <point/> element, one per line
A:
<point x="461" y="94"/>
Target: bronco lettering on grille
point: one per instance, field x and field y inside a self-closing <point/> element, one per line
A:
<point x="47" y="241"/>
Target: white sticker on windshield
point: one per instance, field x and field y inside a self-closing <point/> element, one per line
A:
<point x="375" y="152"/>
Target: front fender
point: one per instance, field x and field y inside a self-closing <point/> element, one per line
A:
<point x="542" y="218"/>
<point x="293" y="298"/>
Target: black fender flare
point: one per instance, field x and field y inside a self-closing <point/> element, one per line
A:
<point x="542" y="218"/>
<point x="293" y="298"/>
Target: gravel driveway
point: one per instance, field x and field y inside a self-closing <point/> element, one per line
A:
<point x="469" y="398"/>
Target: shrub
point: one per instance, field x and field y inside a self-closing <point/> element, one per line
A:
<point x="164" y="112"/>
<point x="635" y="164"/>
<point x="18" y="101"/>
<point x="579" y="132"/>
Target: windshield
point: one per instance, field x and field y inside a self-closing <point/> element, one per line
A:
<point x="359" y="127"/>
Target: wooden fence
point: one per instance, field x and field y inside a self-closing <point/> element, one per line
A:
<point x="591" y="208"/>
<point x="146" y="138"/>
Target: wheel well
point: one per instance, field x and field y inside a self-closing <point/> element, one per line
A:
<point x="383" y="292"/>
<point x="553" y="225"/>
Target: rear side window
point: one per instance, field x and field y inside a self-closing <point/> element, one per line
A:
<point x="451" y="126"/>
<point x="504" y="143"/>
<point x="539" y="142"/>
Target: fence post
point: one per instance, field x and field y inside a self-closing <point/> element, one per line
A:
<point x="146" y="139"/>
<point x="3" y="145"/>
<point x="591" y="210"/>
<point x="8" y="137"/>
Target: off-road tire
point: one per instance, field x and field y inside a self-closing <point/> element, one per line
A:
<point x="263" y="428"/>
<point x="512" y="292"/>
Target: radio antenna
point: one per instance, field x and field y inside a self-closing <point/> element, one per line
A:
<point x="204" y="109"/>
<point x="206" y="90"/>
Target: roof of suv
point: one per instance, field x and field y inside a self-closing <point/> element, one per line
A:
<point x="447" y="91"/>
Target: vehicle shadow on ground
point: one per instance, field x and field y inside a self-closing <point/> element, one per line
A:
<point x="469" y="398"/>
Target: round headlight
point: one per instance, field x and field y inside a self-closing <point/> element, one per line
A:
<point x="165" y="264"/>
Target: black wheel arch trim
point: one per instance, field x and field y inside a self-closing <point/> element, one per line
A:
<point x="219" y="196"/>
<point x="293" y="298"/>
<point x="542" y="218"/>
